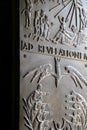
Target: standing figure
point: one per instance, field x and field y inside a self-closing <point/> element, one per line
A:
<point x="36" y="96"/>
<point x="46" y="28"/>
<point x="34" y="111"/>
<point x="38" y="93"/>
<point x="75" y="37"/>
<point x="84" y="20"/>
<point x="37" y="25"/>
<point x="27" y="11"/>
<point x="42" y="118"/>
<point x="59" y="125"/>
<point x="42" y="22"/>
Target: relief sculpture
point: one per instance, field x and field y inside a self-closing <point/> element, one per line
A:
<point x="76" y="76"/>
<point x="72" y="28"/>
<point x="27" y="11"/>
<point x="76" y="13"/>
<point x="41" y="72"/>
<point x="38" y="1"/>
<point x="53" y="70"/>
<point x="36" y="110"/>
<point x="46" y="70"/>
<point x="77" y="105"/>
<point x="62" y="35"/>
<point x="41" y="26"/>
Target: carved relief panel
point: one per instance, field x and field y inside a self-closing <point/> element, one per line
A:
<point x="53" y="65"/>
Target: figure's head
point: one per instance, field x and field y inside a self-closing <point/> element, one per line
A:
<point x="73" y="28"/>
<point x="37" y="13"/>
<point x="49" y="67"/>
<point x="43" y="106"/>
<point x="37" y="105"/>
<point x="46" y="18"/>
<point x="39" y="87"/>
<point x="62" y="19"/>
<point x="42" y="13"/>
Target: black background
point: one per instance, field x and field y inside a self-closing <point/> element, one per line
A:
<point x="9" y="61"/>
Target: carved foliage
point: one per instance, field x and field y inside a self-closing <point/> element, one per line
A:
<point x="36" y="110"/>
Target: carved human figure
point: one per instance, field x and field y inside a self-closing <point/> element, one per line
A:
<point x="39" y="94"/>
<point x="37" y="25"/>
<point x="46" y="28"/>
<point x="36" y="98"/>
<point x="42" y="22"/>
<point x="35" y="104"/>
<point x="34" y="111"/>
<point x="27" y="11"/>
<point x="75" y="38"/>
<point x="84" y="20"/>
<point x="41" y="25"/>
<point x="60" y="125"/>
<point x="42" y="118"/>
<point x="62" y="33"/>
<point x="42" y="72"/>
<point x="77" y="104"/>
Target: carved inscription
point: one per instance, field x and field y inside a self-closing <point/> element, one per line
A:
<point x="53" y="56"/>
<point x="53" y="51"/>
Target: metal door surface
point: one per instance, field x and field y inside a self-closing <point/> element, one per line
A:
<point x="53" y="65"/>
